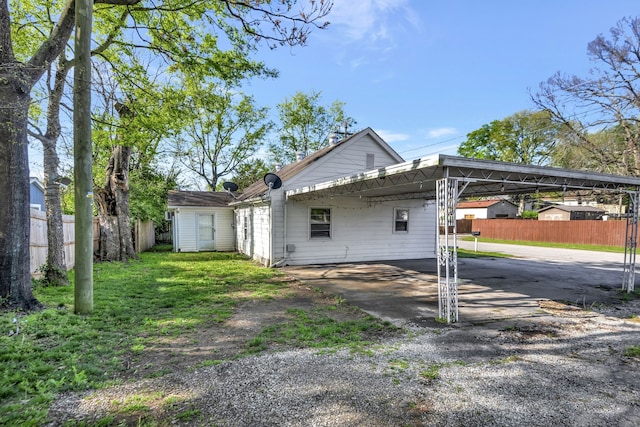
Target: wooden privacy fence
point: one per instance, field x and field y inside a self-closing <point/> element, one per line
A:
<point x="38" y="240"/>
<point x="608" y="233"/>
<point x="144" y="236"/>
<point x="144" y="239"/>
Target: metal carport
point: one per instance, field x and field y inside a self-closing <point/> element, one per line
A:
<point x="444" y="178"/>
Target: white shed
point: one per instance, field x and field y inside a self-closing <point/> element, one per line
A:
<point x="202" y="221"/>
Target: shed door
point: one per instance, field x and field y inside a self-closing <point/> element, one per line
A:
<point x="206" y="232"/>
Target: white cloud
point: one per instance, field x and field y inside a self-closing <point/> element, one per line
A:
<point x="370" y="20"/>
<point x="390" y="137"/>
<point x="437" y="133"/>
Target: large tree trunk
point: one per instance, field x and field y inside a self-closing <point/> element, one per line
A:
<point x="56" y="268"/>
<point x="112" y="201"/>
<point x="15" y="277"/>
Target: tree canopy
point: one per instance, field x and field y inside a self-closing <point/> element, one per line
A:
<point x="606" y="104"/>
<point x="527" y="137"/>
<point x="305" y="125"/>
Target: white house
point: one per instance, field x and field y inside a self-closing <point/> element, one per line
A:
<point x="277" y="230"/>
<point x="202" y="221"/>
<point x="484" y="209"/>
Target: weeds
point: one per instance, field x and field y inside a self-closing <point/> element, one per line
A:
<point x="633" y="351"/>
<point x="315" y="329"/>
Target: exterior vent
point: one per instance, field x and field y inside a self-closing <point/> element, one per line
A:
<point x="370" y="162"/>
<point x="291" y="248"/>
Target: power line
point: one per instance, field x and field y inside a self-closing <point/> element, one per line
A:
<point x="431" y="145"/>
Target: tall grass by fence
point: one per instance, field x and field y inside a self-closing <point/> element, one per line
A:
<point x="144" y="239"/>
<point x="608" y="233"/>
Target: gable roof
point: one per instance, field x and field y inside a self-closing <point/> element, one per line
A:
<point x="36" y="181"/>
<point x="289" y="171"/>
<point x="480" y="204"/>
<point x="572" y="208"/>
<point x="211" y="199"/>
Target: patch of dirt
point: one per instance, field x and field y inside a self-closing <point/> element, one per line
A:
<point x="228" y="340"/>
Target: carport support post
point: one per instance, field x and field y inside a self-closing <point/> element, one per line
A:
<point x="446" y="200"/>
<point x="631" y="243"/>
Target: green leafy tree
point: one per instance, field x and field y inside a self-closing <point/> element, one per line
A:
<point x="525" y="137"/>
<point x="182" y="33"/>
<point x="602" y="111"/>
<point x="249" y="172"/>
<point x="222" y="129"/>
<point x="305" y="125"/>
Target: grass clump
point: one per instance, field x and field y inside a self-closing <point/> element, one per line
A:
<point x="316" y="329"/>
<point x="633" y="351"/>
<point x="466" y="253"/>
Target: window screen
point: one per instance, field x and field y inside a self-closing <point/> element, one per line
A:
<point x="401" y="220"/>
<point x="320" y="222"/>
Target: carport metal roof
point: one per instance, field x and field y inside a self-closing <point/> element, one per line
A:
<point x="416" y="179"/>
<point x="444" y="178"/>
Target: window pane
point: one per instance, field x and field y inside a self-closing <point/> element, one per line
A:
<point x="402" y="226"/>
<point x="401" y="222"/>
<point x="402" y="214"/>
<point x="320" y="222"/>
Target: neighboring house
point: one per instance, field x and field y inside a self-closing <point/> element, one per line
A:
<point x="569" y="213"/>
<point x="275" y="230"/>
<point x="36" y="194"/>
<point x="486" y="209"/>
<point x="202" y="221"/>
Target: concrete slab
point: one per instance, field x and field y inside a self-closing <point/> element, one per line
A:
<point x="490" y="289"/>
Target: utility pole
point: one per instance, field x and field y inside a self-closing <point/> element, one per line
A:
<point x="83" y="182"/>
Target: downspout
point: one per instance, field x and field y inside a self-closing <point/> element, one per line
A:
<point x="272" y="239"/>
<point x="176" y="230"/>
<point x="281" y="262"/>
<point x="284" y="238"/>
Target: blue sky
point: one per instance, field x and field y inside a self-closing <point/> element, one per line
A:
<point x="425" y="73"/>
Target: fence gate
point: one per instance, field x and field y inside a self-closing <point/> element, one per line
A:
<point x="446" y="199"/>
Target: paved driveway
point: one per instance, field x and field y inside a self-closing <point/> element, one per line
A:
<point x="406" y="292"/>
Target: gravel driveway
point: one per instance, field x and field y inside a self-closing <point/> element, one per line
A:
<point x="559" y="366"/>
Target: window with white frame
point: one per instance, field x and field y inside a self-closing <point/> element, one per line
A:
<point x="400" y="220"/>
<point x="319" y="223"/>
<point x="245" y="228"/>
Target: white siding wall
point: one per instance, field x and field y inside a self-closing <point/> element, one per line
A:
<point x="361" y="232"/>
<point x="257" y="244"/>
<point x="187" y="229"/>
<point x="478" y="213"/>
<point x="343" y="161"/>
<point x="225" y="239"/>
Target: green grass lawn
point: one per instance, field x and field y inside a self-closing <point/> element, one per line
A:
<point x="163" y="294"/>
<point x="598" y="248"/>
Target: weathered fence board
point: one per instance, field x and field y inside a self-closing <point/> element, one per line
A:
<point x="145" y="236"/>
<point x="38" y="240"/>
